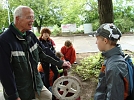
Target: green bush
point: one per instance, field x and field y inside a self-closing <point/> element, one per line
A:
<point x="89" y="67"/>
<point x="124" y="24"/>
<point x="95" y="24"/>
<point x="56" y="31"/>
<point x="79" y="32"/>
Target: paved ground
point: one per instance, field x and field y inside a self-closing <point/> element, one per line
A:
<point x="87" y="43"/>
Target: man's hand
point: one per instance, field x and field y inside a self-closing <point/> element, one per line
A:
<point x="18" y="98"/>
<point x="67" y="64"/>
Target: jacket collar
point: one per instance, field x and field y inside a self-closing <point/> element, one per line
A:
<point x="16" y="32"/>
<point x="117" y="50"/>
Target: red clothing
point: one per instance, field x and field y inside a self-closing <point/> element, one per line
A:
<point x="69" y="53"/>
<point x="53" y="43"/>
<point x="51" y="74"/>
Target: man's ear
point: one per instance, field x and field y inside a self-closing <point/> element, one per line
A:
<point x="17" y="18"/>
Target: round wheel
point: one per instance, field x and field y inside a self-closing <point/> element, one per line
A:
<point x="66" y="88"/>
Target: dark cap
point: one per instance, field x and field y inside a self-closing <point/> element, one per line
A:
<point x="109" y="31"/>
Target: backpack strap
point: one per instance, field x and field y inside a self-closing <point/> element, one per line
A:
<point x="130" y="70"/>
<point x="131" y="76"/>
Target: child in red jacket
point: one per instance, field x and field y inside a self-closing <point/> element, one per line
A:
<point x="69" y="52"/>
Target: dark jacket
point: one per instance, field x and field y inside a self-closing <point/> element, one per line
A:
<point x="48" y="43"/>
<point x="49" y="49"/>
<point x="113" y="79"/>
<point x="19" y="56"/>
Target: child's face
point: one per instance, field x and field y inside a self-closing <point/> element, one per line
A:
<point x="67" y="46"/>
<point x="45" y="36"/>
<point x="101" y="43"/>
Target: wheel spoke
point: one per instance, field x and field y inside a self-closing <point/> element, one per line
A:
<point x="72" y="90"/>
<point x="62" y="87"/>
<point x="69" y="85"/>
<point x="64" y="94"/>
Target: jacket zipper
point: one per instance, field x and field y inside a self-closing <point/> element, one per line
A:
<point x="30" y="68"/>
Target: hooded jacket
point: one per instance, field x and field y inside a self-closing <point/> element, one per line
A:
<point x="113" y="79"/>
<point x="69" y="53"/>
<point x="19" y="57"/>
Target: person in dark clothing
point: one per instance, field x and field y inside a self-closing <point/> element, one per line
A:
<point x="48" y="43"/>
<point x="20" y="52"/>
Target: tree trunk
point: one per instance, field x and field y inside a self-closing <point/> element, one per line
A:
<point x="39" y="28"/>
<point x="105" y="10"/>
<point x="38" y="25"/>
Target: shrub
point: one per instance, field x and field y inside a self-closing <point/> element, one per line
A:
<point x="56" y="31"/>
<point x="89" y="67"/>
<point x="124" y="24"/>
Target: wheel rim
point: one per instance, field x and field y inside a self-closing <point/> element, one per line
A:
<point x="66" y="88"/>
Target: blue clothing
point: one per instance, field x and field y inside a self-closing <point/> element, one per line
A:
<point x="113" y="78"/>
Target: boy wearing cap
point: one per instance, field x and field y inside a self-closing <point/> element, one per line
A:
<point x="113" y="79"/>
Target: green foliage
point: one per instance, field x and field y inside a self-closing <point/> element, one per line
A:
<point x="37" y="34"/>
<point x="56" y="30"/>
<point x="123" y="12"/>
<point x="71" y="10"/>
<point x="124" y="24"/>
<point x="3" y="17"/>
<point x="95" y="24"/>
<point x="79" y="32"/>
<point x="57" y="12"/>
<point x="123" y="17"/>
<point x="92" y="14"/>
<point x="1" y="31"/>
<point x="89" y="66"/>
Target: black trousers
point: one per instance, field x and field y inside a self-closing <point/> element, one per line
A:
<point x="46" y="68"/>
